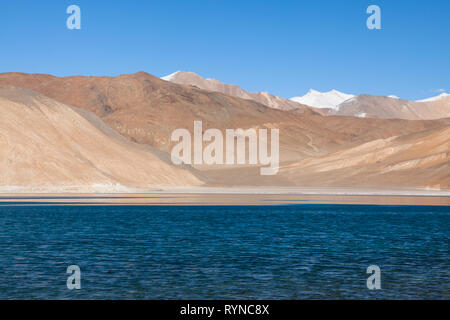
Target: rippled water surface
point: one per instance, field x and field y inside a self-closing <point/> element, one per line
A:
<point x="189" y="252"/>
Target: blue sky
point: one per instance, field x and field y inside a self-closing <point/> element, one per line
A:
<point x="284" y="47"/>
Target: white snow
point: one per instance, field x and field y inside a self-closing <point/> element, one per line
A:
<point x="330" y="99"/>
<point x="361" y="115"/>
<point x="439" y="97"/>
<point x="170" y="76"/>
<point x="394" y="97"/>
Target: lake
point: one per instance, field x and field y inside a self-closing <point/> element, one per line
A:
<point x="304" y="251"/>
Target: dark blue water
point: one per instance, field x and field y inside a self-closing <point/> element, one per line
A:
<point x="271" y="252"/>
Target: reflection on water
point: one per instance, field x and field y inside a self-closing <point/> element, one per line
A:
<point x="206" y="252"/>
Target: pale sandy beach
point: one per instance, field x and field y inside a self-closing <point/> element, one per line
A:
<point x="231" y="196"/>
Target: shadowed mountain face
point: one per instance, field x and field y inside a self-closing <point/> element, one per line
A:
<point x="394" y="108"/>
<point x="146" y="110"/>
<point x="46" y="144"/>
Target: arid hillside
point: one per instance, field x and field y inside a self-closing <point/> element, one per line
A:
<point x="418" y="159"/>
<point x="46" y="144"/>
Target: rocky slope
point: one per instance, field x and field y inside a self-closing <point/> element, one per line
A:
<point x="394" y="108"/>
<point x="418" y="159"/>
<point x="46" y="144"/>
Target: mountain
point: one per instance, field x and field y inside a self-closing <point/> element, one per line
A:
<point x="146" y="110"/>
<point x="330" y="99"/>
<point x="394" y="108"/>
<point x="329" y="103"/>
<point x="193" y="79"/>
<point x="46" y="145"/>
<point x="418" y="159"/>
<point x="265" y="98"/>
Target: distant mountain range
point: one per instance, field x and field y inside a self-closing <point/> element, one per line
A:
<point x="332" y="102"/>
<point x="394" y="108"/>
<point x="193" y="79"/>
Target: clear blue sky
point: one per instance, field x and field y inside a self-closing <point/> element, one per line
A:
<point x="284" y="47"/>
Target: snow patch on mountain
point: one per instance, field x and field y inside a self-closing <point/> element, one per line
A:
<point x="330" y="99"/>
<point x="170" y="76"/>
<point x="361" y="115"/>
<point x="436" y="98"/>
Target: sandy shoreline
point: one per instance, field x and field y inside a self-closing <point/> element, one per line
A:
<point x="310" y="191"/>
<point x="229" y="196"/>
<point x="119" y="190"/>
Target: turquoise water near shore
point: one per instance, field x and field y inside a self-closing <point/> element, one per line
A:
<point x="215" y="252"/>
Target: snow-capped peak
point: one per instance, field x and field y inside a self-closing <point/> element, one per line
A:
<point x="330" y="99"/>
<point x="439" y="97"/>
<point x="393" y="96"/>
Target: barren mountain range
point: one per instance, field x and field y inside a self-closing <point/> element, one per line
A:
<point x="134" y="115"/>
<point x="331" y="103"/>
<point x="393" y="108"/>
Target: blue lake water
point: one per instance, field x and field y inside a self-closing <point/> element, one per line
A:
<point x="195" y="252"/>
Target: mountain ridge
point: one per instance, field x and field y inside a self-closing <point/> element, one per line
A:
<point x="332" y="102"/>
<point x="394" y="108"/>
<point x="263" y="97"/>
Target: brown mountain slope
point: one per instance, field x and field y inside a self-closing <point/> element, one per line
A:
<point x="393" y="108"/>
<point x="46" y="144"/>
<point x="415" y="160"/>
<point x="146" y="109"/>
<point x="265" y="98"/>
